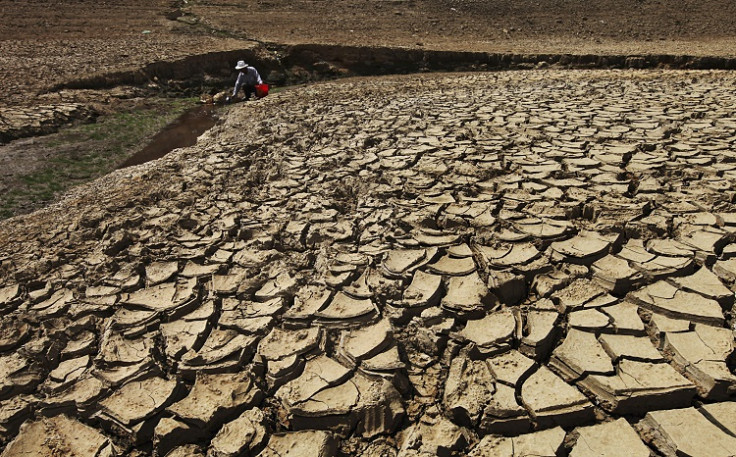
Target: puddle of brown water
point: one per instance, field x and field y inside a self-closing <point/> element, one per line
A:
<point x="180" y="133"/>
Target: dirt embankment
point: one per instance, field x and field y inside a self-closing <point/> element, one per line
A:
<point x="297" y="64"/>
<point x="190" y="47"/>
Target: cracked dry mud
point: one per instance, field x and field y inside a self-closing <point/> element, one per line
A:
<point x="502" y="264"/>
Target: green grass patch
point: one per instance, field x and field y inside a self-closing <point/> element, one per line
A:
<point x="83" y="153"/>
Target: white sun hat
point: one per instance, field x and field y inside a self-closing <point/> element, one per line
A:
<point x="241" y="64"/>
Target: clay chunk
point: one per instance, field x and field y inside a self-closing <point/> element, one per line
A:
<point x="554" y="402"/>
<point x="685" y="431"/>
<point x="639" y="387"/>
<point x="467" y="295"/>
<point x="612" y="439"/>
<point x="296" y="444"/>
<point x="702" y="354"/>
<point x="59" y="432"/>
<point x="216" y="398"/>
<point x="241" y="435"/>
<point x="492" y="334"/>
<point x="545" y="443"/>
<point x="664" y="298"/>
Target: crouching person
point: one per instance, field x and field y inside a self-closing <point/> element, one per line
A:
<point x="248" y="78"/>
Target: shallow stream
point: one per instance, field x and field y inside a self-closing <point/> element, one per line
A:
<point x="180" y="133"/>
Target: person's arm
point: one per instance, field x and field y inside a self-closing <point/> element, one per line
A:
<point x="238" y="83"/>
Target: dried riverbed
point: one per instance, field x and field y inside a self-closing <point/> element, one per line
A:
<point x="39" y="169"/>
<point x="459" y="264"/>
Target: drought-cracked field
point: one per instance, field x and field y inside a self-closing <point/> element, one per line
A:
<point x="492" y="264"/>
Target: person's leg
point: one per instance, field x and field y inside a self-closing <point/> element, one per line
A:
<point x="248" y="91"/>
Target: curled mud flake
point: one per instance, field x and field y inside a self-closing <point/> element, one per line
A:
<point x="225" y="350"/>
<point x="424" y="291"/>
<point x="494" y="333"/>
<point x="244" y="434"/>
<point x="579" y="355"/>
<point x="707" y="284"/>
<point x="702" y="355"/>
<point x="467" y="295"/>
<point x="615" y="275"/>
<point x="663" y="298"/>
<point x="158" y="272"/>
<point x="217" y="398"/>
<point x="129" y="410"/>
<point x="345" y="311"/>
<point x="640" y="386"/>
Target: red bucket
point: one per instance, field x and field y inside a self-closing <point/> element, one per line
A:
<point x="261" y="90"/>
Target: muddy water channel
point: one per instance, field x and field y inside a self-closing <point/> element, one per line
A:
<point x="180" y="133"/>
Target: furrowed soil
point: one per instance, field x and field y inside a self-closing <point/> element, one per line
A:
<point x="387" y="255"/>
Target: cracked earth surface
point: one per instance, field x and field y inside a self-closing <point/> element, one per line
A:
<point x="498" y="264"/>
